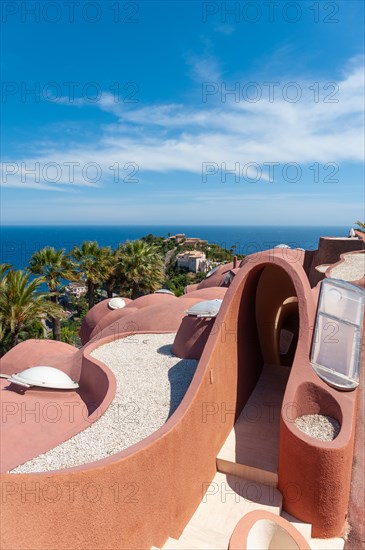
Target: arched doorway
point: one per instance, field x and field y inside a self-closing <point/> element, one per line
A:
<point x="267" y="337"/>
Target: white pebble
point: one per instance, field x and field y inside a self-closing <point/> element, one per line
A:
<point x="151" y="383"/>
<point x="318" y="426"/>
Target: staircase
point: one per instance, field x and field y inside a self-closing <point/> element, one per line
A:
<point x="227" y="499"/>
<point x="252" y="448"/>
<point x="247" y="478"/>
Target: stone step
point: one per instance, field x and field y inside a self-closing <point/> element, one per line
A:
<point x="252" y="447"/>
<point x="173" y="544"/>
<point x="226" y="500"/>
<point x="248" y="472"/>
<point x="304" y="528"/>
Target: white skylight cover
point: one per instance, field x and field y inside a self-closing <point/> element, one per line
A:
<point x="210" y="273"/>
<point x="336" y="347"/>
<point x="116" y="303"/>
<point x="208" y="308"/>
<point x="164" y="291"/>
<point x="45" y="377"/>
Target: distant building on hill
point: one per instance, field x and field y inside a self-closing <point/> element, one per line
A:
<point x="178" y="238"/>
<point x="194" y="241"/>
<point x="75" y="290"/>
<point x="194" y="261"/>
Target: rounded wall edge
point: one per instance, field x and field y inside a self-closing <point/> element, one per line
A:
<point x="240" y="537"/>
<point x="314" y="476"/>
<point x="171" y="462"/>
<point x="149" y="491"/>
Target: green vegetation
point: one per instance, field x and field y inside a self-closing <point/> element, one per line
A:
<point x="135" y="268"/>
<point x="94" y="265"/>
<point x="177" y="278"/>
<point x="360" y="226"/>
<point x="139" y="267"/>
<point x="21" y="306"/>
<point x="53" y="265"/>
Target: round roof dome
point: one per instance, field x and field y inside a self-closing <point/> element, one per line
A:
<point x="212" y="271"/>
<point x="116" y="303"/>
<point x="208" y="308"/>
<point x="45" y="377"/>
<point x="164" y="291"/>
<point x="282" y="246"/>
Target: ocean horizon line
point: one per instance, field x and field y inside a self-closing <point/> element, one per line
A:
<point x="176" y="225"/>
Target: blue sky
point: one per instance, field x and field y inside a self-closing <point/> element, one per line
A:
<point x="131" y="120"/>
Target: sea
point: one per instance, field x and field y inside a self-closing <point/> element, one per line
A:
<point x="18" y="243"/>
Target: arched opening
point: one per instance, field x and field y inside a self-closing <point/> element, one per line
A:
<point x="267" y="326"/>
<point x="277" y="316"/>
<point x="267" y="337"/>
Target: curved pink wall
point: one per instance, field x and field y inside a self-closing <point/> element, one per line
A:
<point x="38" y="419"/>
<point x="329" y="252"/>
<point x="149" y="491"/>
<point x="43" y="352"/>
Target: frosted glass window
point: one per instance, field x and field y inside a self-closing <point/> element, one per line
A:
<point x="337" y="340"/>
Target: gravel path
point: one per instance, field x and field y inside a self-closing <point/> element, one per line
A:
<point x="352" y="269"/>
<point x="318" y="426"/>
<point x="151" y="383"/>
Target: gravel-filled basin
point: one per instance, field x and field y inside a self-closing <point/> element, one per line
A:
<point x="150" y="384"/>
<point x="319" y="426"/>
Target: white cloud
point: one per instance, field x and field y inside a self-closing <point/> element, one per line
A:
<point x="166" y="138"/>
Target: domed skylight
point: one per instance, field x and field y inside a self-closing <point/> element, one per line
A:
<point x="44" y="377"/>
<point x="208" y="308"/>
<point x="210" y="273"/>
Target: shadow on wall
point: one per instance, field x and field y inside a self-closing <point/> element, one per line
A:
<point x="180" y="377"/>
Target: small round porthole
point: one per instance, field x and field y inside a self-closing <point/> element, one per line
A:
<point x="116" y="303"/>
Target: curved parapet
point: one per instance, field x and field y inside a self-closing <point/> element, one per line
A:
<point x="148" y="492"/>
<point x="350" y="267"/>
<point x="36" y="420"/>
<point x="264" y="530"/>
<point x="43" y="352"/>
<point x="329" y="252"/>
<point x="192" y="336"/>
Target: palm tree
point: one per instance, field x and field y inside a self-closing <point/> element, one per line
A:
<point x="53" y="265"/>
<point x="22" y="303"/>
<point x="110" y="283"/>
<point x="361" y="226"/>
<point x="140" y="268"/>
<point x="3" y="269"/>
<point x="94" y="264"/>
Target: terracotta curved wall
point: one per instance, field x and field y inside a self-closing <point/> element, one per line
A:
<point x="26" y="427"/>
<point x="314" y="476"/>
<point x="266" y="524"/>
<point x="192" y="336"/>
<point x="139" y="497"/>
<point x="43" y="352"/>
<point x="148" y="492"/>
<point x="359" y="282"/>
<point x="329" y="252"/>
